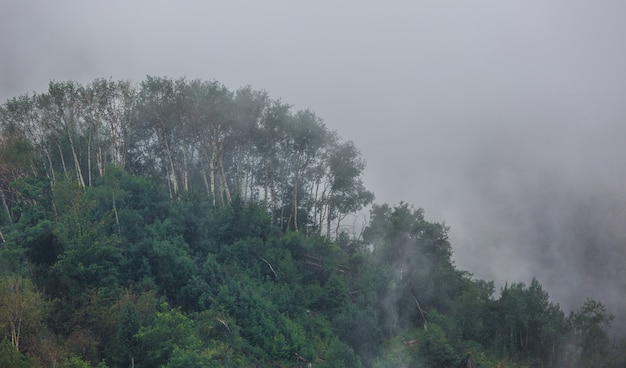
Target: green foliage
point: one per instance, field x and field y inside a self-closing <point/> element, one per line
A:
<point x="258" y="317"/>
<point x="33" y="197"/>
<point x="10" y="357"/>
<point x="191" y="359"/>
<point x="340" y="355"/>
<point x="221" y="337"/>
<point x="21" y="311"/>
<point x="30" y="237"/>
<point x="471" y="308"/>
<point x="435" y="350"/>
<point x="335" y="295"/>
<point x="527" y="325"/>
<point x="226" y="209"/>
<point x="126" y="345"/>
<point x="13" y="259"/>
<point x="359" y="328"/>
<point x="170" y="329"/>
<point x="168" y="264"/>
<point x="414" y="259"/>
<point x="77" y="362"/>
<point x="590" y="323"/>
<point x="400" y="351"/>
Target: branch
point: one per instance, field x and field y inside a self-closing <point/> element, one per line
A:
<point x="224" y="323"/>
<point x="422" y="312"/>
<point x="271" y="268"/>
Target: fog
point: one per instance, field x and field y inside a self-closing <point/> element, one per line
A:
<point x="504" y="119"/>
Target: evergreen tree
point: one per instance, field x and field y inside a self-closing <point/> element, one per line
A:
<point x="126" y="345"/>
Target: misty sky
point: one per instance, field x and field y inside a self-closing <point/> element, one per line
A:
<point x="505" y="119"/>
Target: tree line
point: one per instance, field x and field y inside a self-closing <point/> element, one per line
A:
<point x="190" y="136"/>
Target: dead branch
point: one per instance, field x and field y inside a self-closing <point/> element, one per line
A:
<point x="270" y="266"/>
<point x="224" y="323"/>
<point x="422" y="312"/>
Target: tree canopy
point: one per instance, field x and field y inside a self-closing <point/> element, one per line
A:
<point x="177" y="223"/>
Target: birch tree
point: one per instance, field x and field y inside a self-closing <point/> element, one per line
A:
<point x="206" y="120"/>
<point x="243" y="156"/>
<point x="156" y="110"/>
<point x="22" y="117"/>
<point x="61" y="116"/>
<point x="272" y="159"/>
<point x="20" y="307"/>
<point x="307" y="136"/>
<point x="347" y="193"/>
<point x="112" y="104"/>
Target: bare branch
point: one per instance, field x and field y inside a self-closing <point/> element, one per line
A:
<point x="422" y="312"/>
<point x="224" y="323"/>
<point x="270" y="266"/>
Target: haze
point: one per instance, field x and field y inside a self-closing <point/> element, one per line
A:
<point x="505" y="119"/>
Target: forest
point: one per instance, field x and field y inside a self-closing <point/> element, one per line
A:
<point x="176" y="223"/>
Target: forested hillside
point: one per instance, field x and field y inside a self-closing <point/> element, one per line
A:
<point x="176" y="223"/>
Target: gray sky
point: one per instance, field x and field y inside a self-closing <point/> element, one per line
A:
<point x="505" y="119"/>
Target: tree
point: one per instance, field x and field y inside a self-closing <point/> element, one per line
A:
<point x="171" y="329"/>
<point x="435" y="349"/>
<point x="590" y="323"/>
<point x="360" y="329"/>
<point x="17" y="161"/>
<point x="76" y="362"/>
<point x="112" y="104"/>
<point x="339" y="355"/>
<point x="183" y="358"/>
<point x="249" y="111"/>
<point x="272" y="160"/>
<point x="200" y="120"/>
<point x="306" y="135"/>
<point x="471" y="307"/>
<point x="10" y="357"/>
<point x="20" y="308"/>
<point x="335" y="294"/>
<point x="527" y="326"/>
<point x="90" y="255"/>
<point x="125" y="342"/>
<point x="347" y="193"/>
<point x="158" y="119"/>
<point x="62" y="115"/>
<point x="23" y="116"/>
<point x="415" y="257"/>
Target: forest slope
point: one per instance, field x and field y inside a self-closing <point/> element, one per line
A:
<point x="180" y="224"/>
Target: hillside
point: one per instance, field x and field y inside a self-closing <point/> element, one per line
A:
<point x="177" y="223"/>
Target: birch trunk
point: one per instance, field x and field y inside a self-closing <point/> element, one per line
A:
<point x="79" y="173"/>
<point x="225" y="182"/>
<point x="212" y="170"/>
